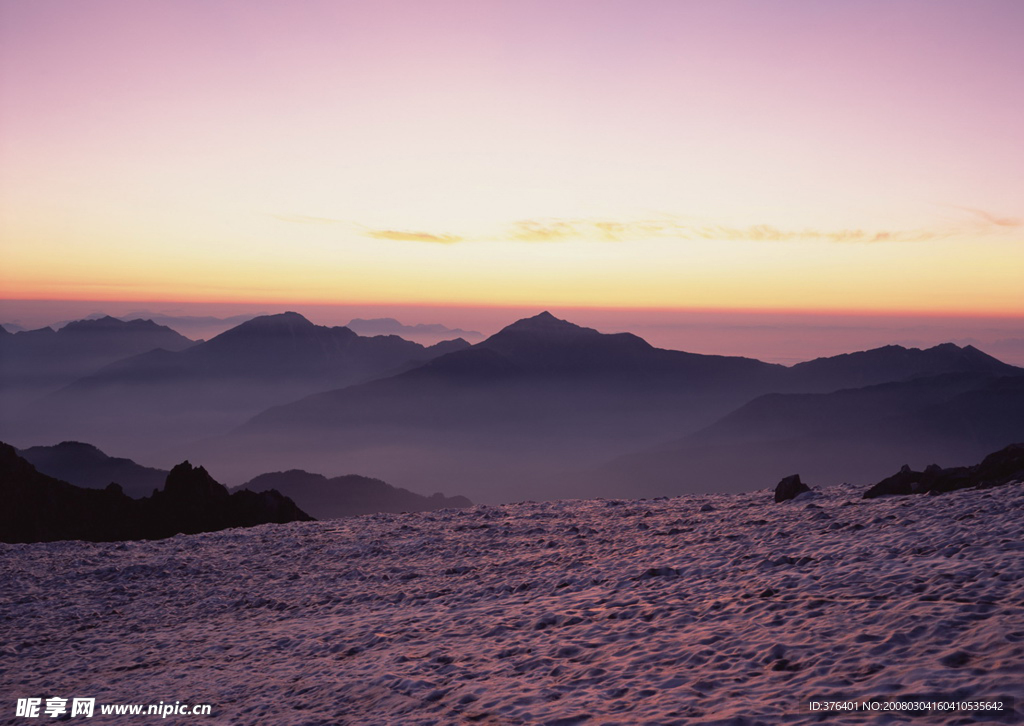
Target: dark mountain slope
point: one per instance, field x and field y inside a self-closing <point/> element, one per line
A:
<point x="45" y="358"/>
<point x="39" y="508"/>
<point x="348" y="496"/>
<point x="539" y="395"/>
<point x="504" y="418"/>
<point x="161" y="398"/>
<point x="855" y="434"/>
<point x="895" y="363"/>
<point x="86" y="466"/>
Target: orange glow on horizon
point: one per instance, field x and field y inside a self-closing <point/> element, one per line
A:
<point x="662" y="156"/>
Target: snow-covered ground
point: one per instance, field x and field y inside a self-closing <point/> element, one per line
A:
<point x="713" y="609"/>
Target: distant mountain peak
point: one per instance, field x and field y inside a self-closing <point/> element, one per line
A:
<point x="286" y="318"/>
<point x="391" y="326"/>
<point x="895" y="363"/>
<point x="77" y="446"/>
<point x="287" y="322"/>
<point x="108" y="322"/>
<point x="545" y="322"/>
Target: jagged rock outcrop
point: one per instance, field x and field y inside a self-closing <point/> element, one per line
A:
<point x="38" y="508"/>
<point x="1001" y="467"/>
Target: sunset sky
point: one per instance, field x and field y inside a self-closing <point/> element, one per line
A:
<point x="845" y="156"/>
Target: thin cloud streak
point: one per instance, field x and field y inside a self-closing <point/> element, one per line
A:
<point x="992" y="218"/>
<point x="609" y="230"/>
<point x="406" y="236"/>
<point x="615" y="231"/>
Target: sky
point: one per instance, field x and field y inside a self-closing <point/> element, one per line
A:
<point x="853" y="157"/>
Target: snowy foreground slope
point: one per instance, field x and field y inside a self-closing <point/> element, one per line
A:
<point x="713" y="609"/>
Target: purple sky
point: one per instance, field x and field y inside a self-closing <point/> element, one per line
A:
<point x="842" y="156"/>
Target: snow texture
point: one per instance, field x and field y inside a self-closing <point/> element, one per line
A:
<point x="725" y="609"/>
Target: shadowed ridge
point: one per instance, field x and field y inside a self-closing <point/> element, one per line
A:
<point x="84" y="465"/>
<point x="110" y="323"/>
<point x="82" y="451"/>
<point x="39" y="508"/>
<point x="186" y="481"/>
<point x="449" y="346"/>
<point x="999" y="468"/>
<point x="894" y="362"/>
<point x="171" y="398"/>
<point x="280" y="326"/>
<point x="349" y="495"/>
<point x="547" y="343"/>
<point x="546" y="327"/>
<point x="544" y="322"/>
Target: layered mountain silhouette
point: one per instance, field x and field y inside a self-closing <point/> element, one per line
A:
<point x="40" y="508"/>
<point x="511" y="417"/>
<point x="854" y="434"/>
<point x="348" y="496"/>
<point x="542" y="393"/>
<point x="522" y="413"/>
<point x="896" y="363"/>
<point x="43" y="359"/>
<point x="161" y="397"/>
<point x="86" y="466"/>
<point x="34" y="363"/>
<point x="419" y="332"/>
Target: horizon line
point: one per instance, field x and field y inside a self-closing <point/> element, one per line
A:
<point x="540" y="307"/>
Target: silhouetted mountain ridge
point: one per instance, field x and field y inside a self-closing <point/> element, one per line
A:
<point x="40" y="508"/>
<point x="895" y="363"/>
<point x="165" y="397"/>
<point x="390" y="326"/>
<point x="544" y="394"/>
<point x="856" y="433"/>
<point x="86" y="466"/>
<point x="47" y="358"/>
<point x="350" y="495"/>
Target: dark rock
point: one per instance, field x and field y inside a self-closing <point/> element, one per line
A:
<point x="1001" y="467"/>
<point x="39" y="508"/>
<point x="901" y="483"/>
<point x="789" y="488"/>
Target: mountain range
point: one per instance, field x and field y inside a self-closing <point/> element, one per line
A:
<point x="527" y="412"/>
<point x="164" y="397"/>
<point x="421" y="332"/>
<point x="40" y="508"/>
<point x="84" y="465"/>
<point x="45" y="359"/>
<point x="542" y="409"/>
<point x="855" y="434"/>
<point x="349" y="496"/>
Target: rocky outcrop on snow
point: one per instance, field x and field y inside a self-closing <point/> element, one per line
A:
<point x="790" y="488"/>
<point x="39" y="508"/>
<point x="1002" y="467"/>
